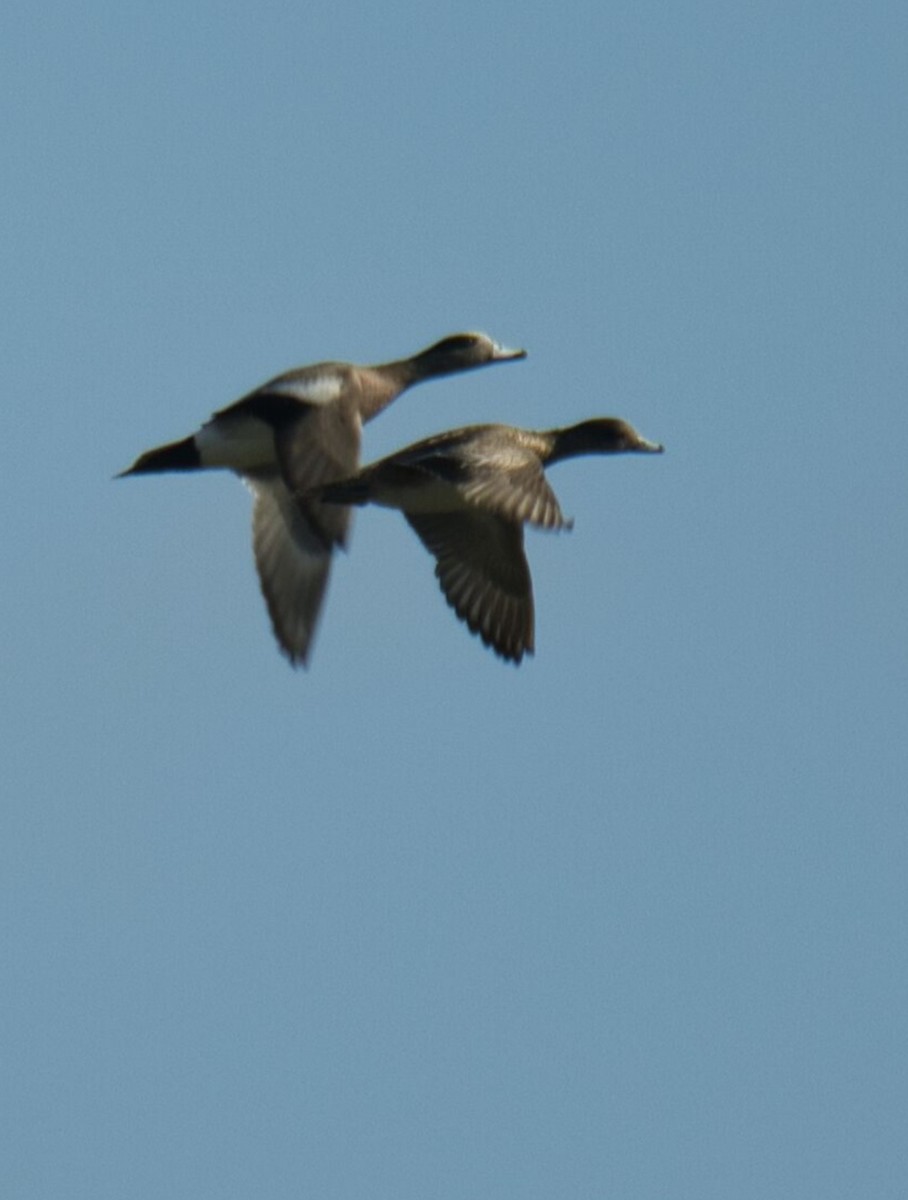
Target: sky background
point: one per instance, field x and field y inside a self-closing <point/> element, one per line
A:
<point x="628" y="921"/>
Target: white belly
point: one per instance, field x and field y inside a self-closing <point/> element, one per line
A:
<point x="241" y="443"/>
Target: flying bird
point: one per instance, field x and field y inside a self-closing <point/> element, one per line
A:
<point x="467" y="494"/>
<point x="296" y="432"/>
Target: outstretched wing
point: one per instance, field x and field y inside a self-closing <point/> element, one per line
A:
<point x="483" y="573"/>
<point x="293" y="560"/>
<point x="294" y="534"/>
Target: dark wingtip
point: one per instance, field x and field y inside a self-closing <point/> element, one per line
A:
<point x="297" y="659"/>
<point x="513" y="654"/>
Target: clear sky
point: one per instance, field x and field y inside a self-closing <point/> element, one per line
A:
<point x="628" y="921"/>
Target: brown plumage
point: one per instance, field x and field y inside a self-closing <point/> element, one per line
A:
<point x="467" y="494"/>
<point x="300" y="430"/>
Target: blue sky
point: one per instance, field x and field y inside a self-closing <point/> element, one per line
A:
<point x="627" y="921"/>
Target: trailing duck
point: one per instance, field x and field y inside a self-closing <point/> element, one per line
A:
<point x="467" y="494"/>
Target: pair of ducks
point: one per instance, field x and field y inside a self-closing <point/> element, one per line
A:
<point x="466" y="493"/>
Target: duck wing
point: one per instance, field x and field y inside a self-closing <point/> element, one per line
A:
<point x="493" y="472"/>
<point x="483" y="572"/>
<point x="293" y="561"/>
<point x="521" y="494"/>
<point x="293" y="533"/>
<point x="318" y="446"/>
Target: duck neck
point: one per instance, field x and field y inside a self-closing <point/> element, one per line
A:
<point x="379" y="386"/>
<point x="574" y="441"/>
<point x="382" y="384"/>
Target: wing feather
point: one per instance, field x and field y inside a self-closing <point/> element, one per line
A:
<point x="293" y="563"/>
<point x="483" y="573"/>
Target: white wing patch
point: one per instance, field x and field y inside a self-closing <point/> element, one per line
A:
<point x="324" y="388"/>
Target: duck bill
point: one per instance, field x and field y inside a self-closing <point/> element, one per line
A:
<point x="647" y="447"/>
<point x="506" y="354"/>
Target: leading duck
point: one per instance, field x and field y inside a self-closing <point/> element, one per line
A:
<point x="467" y="494"/>
<point x="300" y="430"/>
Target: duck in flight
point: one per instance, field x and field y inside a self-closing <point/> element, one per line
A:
<point x="296" y="432"/>
<point x="467" y="494"/>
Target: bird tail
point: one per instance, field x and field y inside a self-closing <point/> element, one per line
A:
<point x="175" y="456"/>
